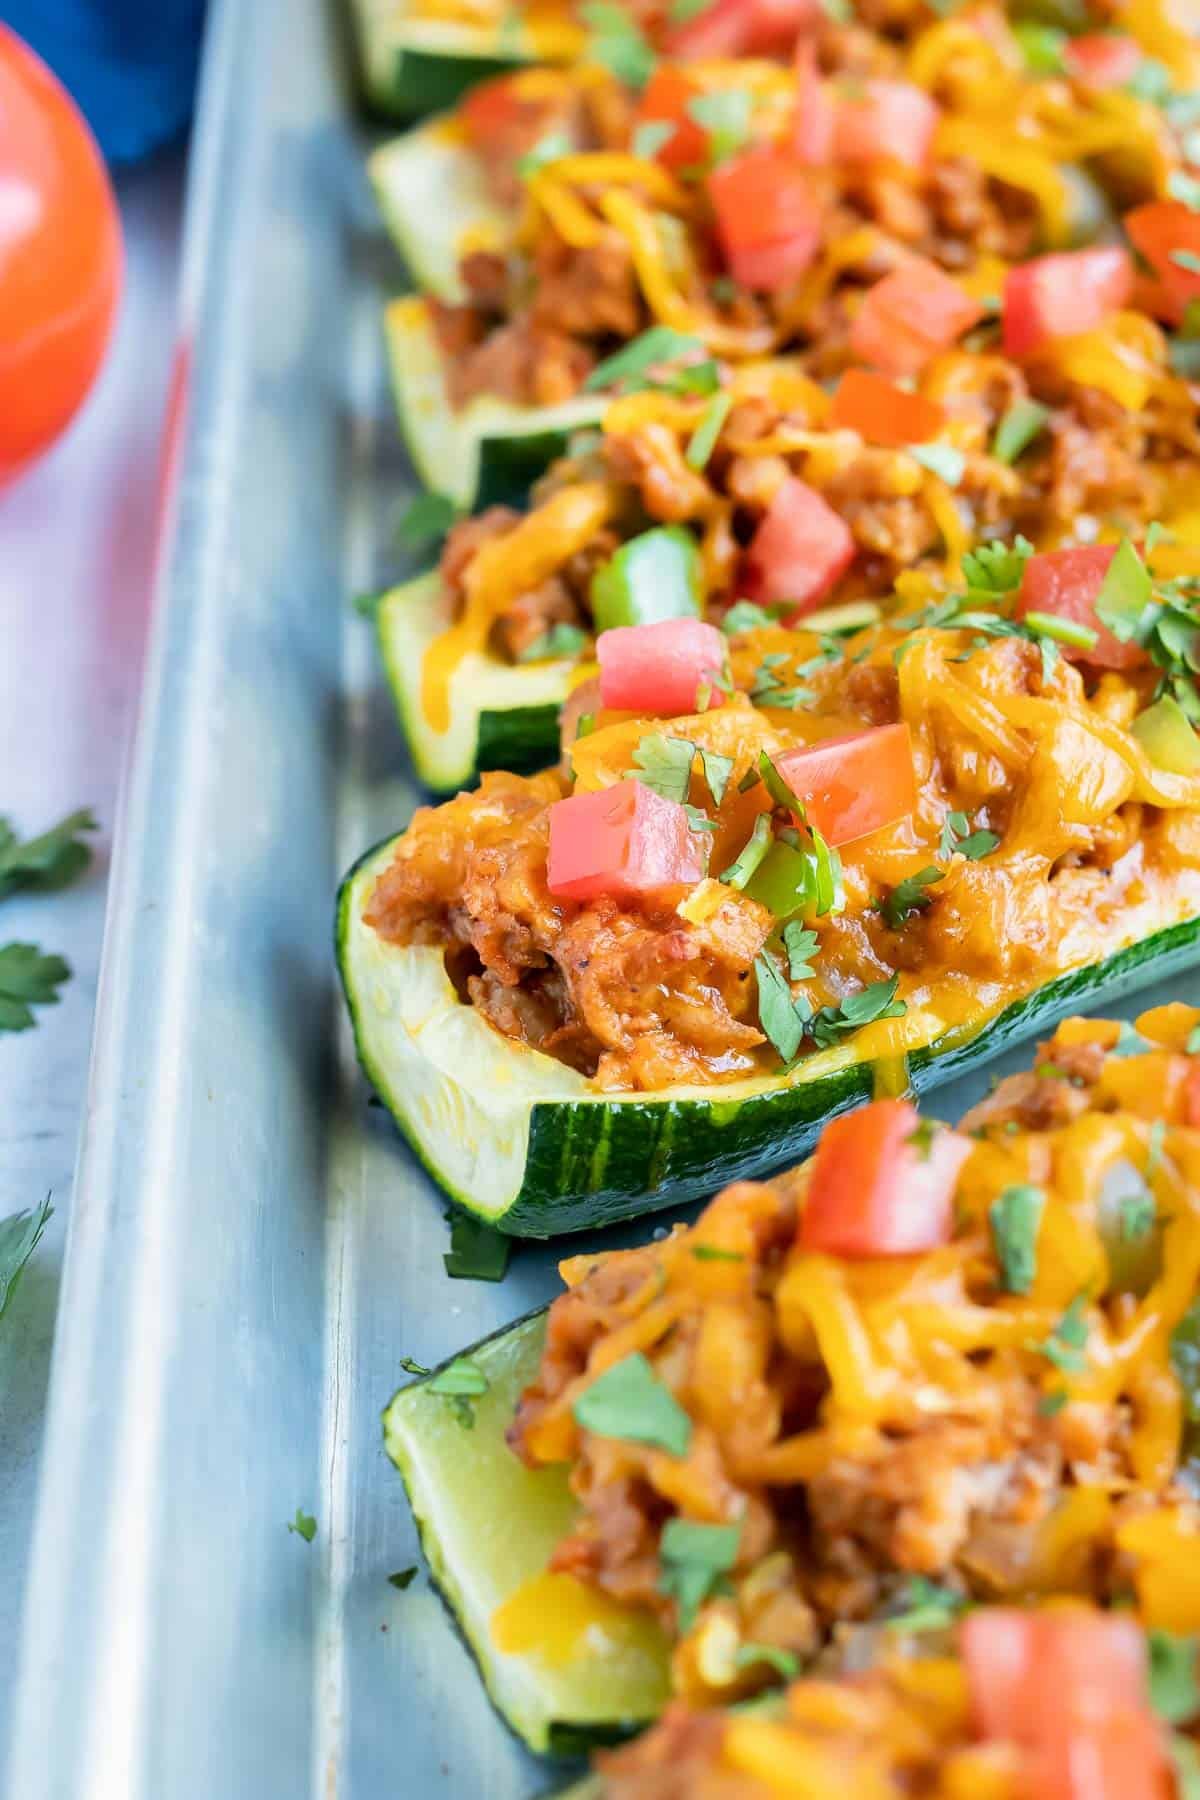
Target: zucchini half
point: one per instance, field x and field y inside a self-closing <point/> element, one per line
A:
<point x="502" y="715"/>
<point x="534" y="1148"/>
<point x="488" y="1525"/>
<point x="413" y="66"/>
<point x="436" y="203"/>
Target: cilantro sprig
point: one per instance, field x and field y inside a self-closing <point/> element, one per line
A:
<point x="629" y="1402"/>
<point x="695" y="1561"/>
<point x="47" y="862"/>
<point x="909" y="896"/>
<point x="28" y="978"/>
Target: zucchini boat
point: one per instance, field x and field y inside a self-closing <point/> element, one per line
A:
<point x="895" y="1334"/>
<point x="606" y="1673"/>
<point x="413" y="64"/>
<point x="532" y="218"/>
<point x="573" y="1022"/>
<point x="501" y="714"/>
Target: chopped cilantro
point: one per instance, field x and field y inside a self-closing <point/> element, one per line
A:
<point x="1022" y="423"/>
<point x="703" y="439"/>
<point x="876" y="1001"/>
<point x="925" y="1606"/>
<point x="1014" y="1218"/>
<point x="800" y="944"/>
<point x="717" y="770"/>
<point x="746" y="615"/>
<point x="304" y="1525"/>
<point x="664" y="765"/>
<point x="908" y="896"/>
<point x="694" y="1559"/>
<point x="19" y="1237"/>
<point x="725" y="114"/>
<point x="650" y="136"/>
<point x="1067" y="1342"/>
<point x="617" y="42"/>
<point x="425" y="521"/>
<point x="957" y="835"/>
<point x="629" y="1402"/>
<point x="1174" y="1693"/>
<point x="47" y="862"/>
<point x="783" y="1018"/>
<point x="1137" y="1214"/>
<point x="995" y="568"/>
<point x="549" y="149"/>
<point x="462" y="1382"/>
<point x="27" y="979"/>
<point x="560" y="640"/>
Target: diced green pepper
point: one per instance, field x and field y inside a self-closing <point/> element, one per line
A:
<point x="784" y="881"/>
<point x="1167" y="738"/>
<point x="654" y="576"/>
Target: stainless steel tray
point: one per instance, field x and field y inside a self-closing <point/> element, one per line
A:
<point x="252" y="1250"/>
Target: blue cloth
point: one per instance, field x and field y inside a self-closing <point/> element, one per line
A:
<point x="130" y="64"/>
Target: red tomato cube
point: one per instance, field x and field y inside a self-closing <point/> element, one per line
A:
<point x="812" y="139"/>
<point x="1160" y="230"/>
<point x="851" y="786"/>
<point x="664" y="668"/>
<point x="1066" y="583"/>
<point x="1062" y="295"/>
<point x="1102" y="59"/>
<point x="878" y="1188"/>
<point x="769" y="217"/>
<point x="624" y="841"/>
<point x="800" y="551"/>
<point x="883" y="413"/>
<point x="878" y="120"/>
<point x="909" y="316"/>
<point x="666" y="100"/>
<point x="1068" y="1686"/>
<point x="731" y="28"/>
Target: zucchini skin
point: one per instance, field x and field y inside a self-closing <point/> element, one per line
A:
<point x="423" y="82"/>
<point x="590" y="1163"/>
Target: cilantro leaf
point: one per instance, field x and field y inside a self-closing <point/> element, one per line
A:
<point x="746" y="615"/>
<point x="925" y="1606"/>
<point x="717" y="770"/>
<point x="909" y="896"/>
<point x="800" y="944"/>
<point x="1067" y="1342"/>
<point x="996" y="568"/>
<point x="1022" y="423"/>
<point x="462" y="1382"/>
<point x="1015" y="1217"/>
<point x="548" y="149"/>
<point x="19" y="1236"/>
<point x="478" y="1252"/>
<point x="426" y="520"/>
<point x="664" y="765"/>
<point x="958" y="835"/>
<point x="694" y="1558"/>
<point x="1126" y="595"/>
<point x="27" y="979"/>
<point x="725" y="114"/>
<point x="304" y="1525"/>
<point x="1185" y="1360"/>
<point x="876" y="1001"/>
<point x="629" y="1402"/>
<point x="650" y="137"/>
<point x="616" y="41"/>
<point x="560" y="640"/>
<point x="46" y="862"/>
<point x="784" y="1019"/>
<point x="703" y="440"/>
<point x="1174" y="1693"/>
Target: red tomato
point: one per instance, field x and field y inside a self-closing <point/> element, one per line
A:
<point x="1069" y="1687"/>
<point x="850" y="786"/>
<point x="801" y="550"/>
<point x="491" y="109"/>
<point x="768" y="216"/>
<point x="884" y="119"/>
<point x="909" y="316"/>
<point x="666" y="99"/>
<point x="876" y="1192"/>
<point x="882" y="413"/>
<point x="1066" y="583"/>
<point x="1102" y="59"/>
<point x="661" y="668"/>
<point x="1063" y="294"/>
<point x="1159" y="230"/>
<point x="60" y="257"/>
<point x="623" y="841"/>
<point x="812" y="139"/>
<point x="729" y="28"/>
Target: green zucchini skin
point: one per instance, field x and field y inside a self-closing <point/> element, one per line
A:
<point x="592" y="1162"/>
<point x="486" y="1525"/>
<point x="421" y="83"/>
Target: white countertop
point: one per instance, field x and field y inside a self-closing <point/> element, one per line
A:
<point x="76" y="549"/>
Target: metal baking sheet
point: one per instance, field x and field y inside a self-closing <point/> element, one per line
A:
<point x="252" y="1249"/>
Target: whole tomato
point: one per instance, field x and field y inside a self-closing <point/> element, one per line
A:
<point x="60" y="256"/>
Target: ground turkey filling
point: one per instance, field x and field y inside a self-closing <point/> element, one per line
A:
<point x="981" y="1465"/>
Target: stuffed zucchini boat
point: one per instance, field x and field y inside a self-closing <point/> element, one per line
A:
<point x="929" y="1368"/>
<point x="557" y="215"/>
<point x="772" y="489"/>
<point x="869" y="859"/>
<point x="1052" y="1702"/>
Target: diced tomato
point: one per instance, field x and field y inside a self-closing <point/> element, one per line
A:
<point x="1161" y="230"/>
<point x="909" y="316"/>
<point x="492" y="108"/>
<point x="1066" y="583"/>
<point x="850" y="786"/>
<point x="1102" y="59"/>
<point x="730" y="28"/>
<point x="663" y="668"/>
<point x="884" y="119"/>
<point x="1068" y="1686"/>
<point x="800" y="551"/>
<point x="769" y="217"/>
<point x="666" y="100"/>
<point x="879" y="1187"/>
<point x="1063" y="294"/>
<point x="622" y="841"/>
<point x="883" y="413"/>
<point x="812" y="139"/>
